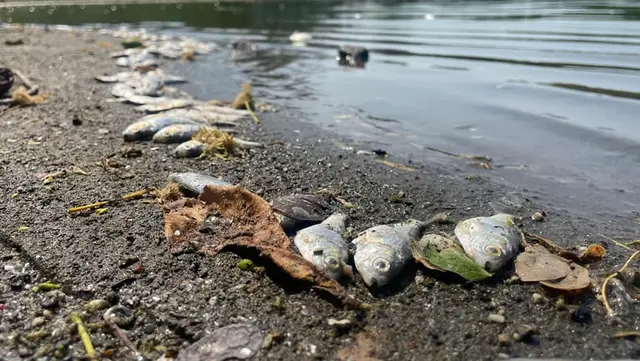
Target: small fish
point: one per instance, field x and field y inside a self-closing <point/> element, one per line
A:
<point x="178" y="133"/>
<point x="489" y="241"/>
<point x="189" y="149"/>
<point x="323" y="245"/>
<point x="144" y="99"/>
<point x="150" y="84"/>
<point x="299" y="210"/>
<point x="383" y="251"/>
<point x="168" y="105"/>
<point x="195" y="182"/>
<point x="120" y="90"/>
<point x="145" y="128"/>
<point x="216" y="109"/>
<point x="120" y="77"/>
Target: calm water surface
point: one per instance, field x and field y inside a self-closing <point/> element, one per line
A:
<point x="549" y="90"/>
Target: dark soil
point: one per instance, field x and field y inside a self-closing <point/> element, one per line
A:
<point x="122" y="256"/>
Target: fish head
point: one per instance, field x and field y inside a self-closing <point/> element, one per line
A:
<point x="330" y="262"/>
<point x="376" y="264"/>
<point x="492" y="252"/>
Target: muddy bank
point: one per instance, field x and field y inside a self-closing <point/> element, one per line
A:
<point x="122" y="256"/>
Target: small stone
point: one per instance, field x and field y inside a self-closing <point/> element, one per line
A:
<point x="119" y="315"/>
<point x="52" y="300"/>
<point x="149" y="329"/>
<point x="504" y="339"/>
<point x="582" y="315"/>
<point x="112" y="297"/>
<point x="339" y="323"/>
<point x="419" y="279"/>
<point x="496" y="318"/>
<point x="539" y="216"/>
<point x="76" y="120"/>
<point x="524" y="333"/>
<point x="536" y="298"/>
<point x="96" y="305"/>
<point x="560" y="304"/>
<point x="48" y="314"/>
<point x="38" y="321"/>
<point x="103" y="131"/>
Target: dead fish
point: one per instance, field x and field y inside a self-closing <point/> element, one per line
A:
<point x="150" y="84"/>
<point x="189" y="149"/>
<point x="120" y="77"/>
<point x="489" y="241"/>
<point x="195" y="182"/>
<point x="383" y="251"/>
<point x="145" y="128"/>
<point x="168" y="105"/>
<point x="125" y="53"/>
<point x="178" y="133"/>
<point x="144" y="99"/>
<point x="221" y="110"/>
<point x="120" y="90"/>
<point x="299" y="210"/>
<point x="322" y="244"/>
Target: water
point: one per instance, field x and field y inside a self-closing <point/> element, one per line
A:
<point x="549" y="90"/>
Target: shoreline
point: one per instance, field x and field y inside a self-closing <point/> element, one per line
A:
<point x="425" y="316"/>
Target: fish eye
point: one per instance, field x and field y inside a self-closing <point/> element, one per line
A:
<point x="331" y="262"/>
<point x="493" y="251"/>
<point x="381" y="264"/>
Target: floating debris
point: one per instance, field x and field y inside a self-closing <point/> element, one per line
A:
<point x="236" y="341"/>
<point x="323" y="245"/>
<point x="383" y="251"/>
<point x="490" y="241"/>
<point x="355" y="56"/>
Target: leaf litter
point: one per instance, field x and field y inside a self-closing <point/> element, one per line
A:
<point x="224" y="216"/>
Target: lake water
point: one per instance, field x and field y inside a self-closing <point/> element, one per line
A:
<point x="549" y="89"/>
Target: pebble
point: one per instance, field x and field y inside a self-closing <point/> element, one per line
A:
<point x="539" y="216"/>
<point x="496" y="318"/>
<point x="560" y="305"/>
<point x="149" y="329"/>
<point x="524" y="333"/>
<point x="504" y="339"/>
<point x="47" y="314"/>
<point x="52" y="300"/>
<point x="536" y="298"/>
<point x="38" y="321"/>
<point x="119" y="315"/>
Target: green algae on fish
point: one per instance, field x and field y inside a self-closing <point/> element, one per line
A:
<point x="443" y="254"/>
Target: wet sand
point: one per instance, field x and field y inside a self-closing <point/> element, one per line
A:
<point x="122" y="256"/>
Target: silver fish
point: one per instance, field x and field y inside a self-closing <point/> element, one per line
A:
<point x="144" y="99"/>
<point x="178" y="133"/>
<point x="150" y="84"/>
<point x="120" y="90"/>
<point x="120" y="77"/>
<point x="168" y="105"/>
<point x="323" y="245"/>
<point x="221" y="110"/>
<point x="123" y="62"/>
<point x="383" y="251"/>
<point x="189" y="149"/>
<point x="489" y="241"/>
<point x="195" y="182"/>
<point x="144" y="129"/>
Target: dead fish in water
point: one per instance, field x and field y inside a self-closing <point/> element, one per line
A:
<point x="195" y="182"/>
<point x="383" y="251"/>
<point x="189" y="149"/>
<point x="168" y="105"/>
<point x="120" y="90"/>
<point x="299" y="210"/>
<point x="489" y="241"/>
<point x="322" y="244"/>
<point x="145" y="128"/>
<point x="178" y="133"/>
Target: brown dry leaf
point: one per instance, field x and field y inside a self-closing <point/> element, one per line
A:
<point x="365" y="349"/>
<point x="552" y="247"/>
<point x="537" y="264"/>
<point x="578" y="279"/>
<point x="243" y="219"/>
<point x="594" y="253"/>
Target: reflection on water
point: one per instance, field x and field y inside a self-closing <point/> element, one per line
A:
<point x="549" y="89"/>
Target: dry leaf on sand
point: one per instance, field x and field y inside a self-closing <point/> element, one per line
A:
<point x="232" y="216"/>
<point x="537" y="264"/>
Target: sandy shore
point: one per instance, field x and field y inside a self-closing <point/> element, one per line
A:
<point x="122" y="256"/>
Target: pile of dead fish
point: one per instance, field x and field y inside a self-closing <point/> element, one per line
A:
<point x="170" y="116"/>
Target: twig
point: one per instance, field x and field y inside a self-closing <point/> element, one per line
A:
<point x="136" y="194"/>
<point x="23" y="79"/>
<point x="84" y="335"/>
<point x="123" y="337"/>
<point x="253" y="115"/>
<point x="616" y="242"/>
<point x="88" y="206"/>
<point x="625" y="334"/>
<point x="603" y="291"/>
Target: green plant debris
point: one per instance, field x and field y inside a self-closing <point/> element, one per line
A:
<point x="441" y="254"/>
<point x="101" y="211"/>
<point x="96" y="305"/>
<point x="36" y="335"/>
<point x="46" y="286"/>
<point x="84" y="335"/>
<point x="246" y="265"/>
<point x="23" y="228"/>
